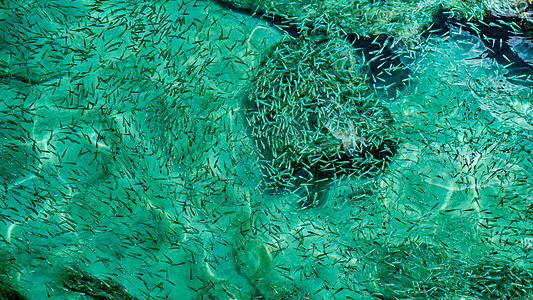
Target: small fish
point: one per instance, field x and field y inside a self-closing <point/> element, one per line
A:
<point x="510" y="43"/>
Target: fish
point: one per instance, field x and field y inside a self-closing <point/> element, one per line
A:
<point x="82" y="282"/>
<point x="315" y="119"/>
<point x="502" y="35"/>
<point x="387" y="72"/>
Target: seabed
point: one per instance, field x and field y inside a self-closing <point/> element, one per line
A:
<point x="266" y="150"/>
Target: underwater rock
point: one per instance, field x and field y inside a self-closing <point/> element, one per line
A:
<point x="315" y="118"/>
<point x="411" y="271"/>
<point x="9" y="269"/>
<point x="385" y="31"/>
<point x="498" y="279"/>
<point x="308" y="136"/>
<point x="386" y="72"/>
<point x="422" y="270"/>
<point x="504" y="35"/>
<point x="369" y="17"/>
<point x="82" y="282"/>
<point x="7" y="292"/>
<point x="403" y="19"/>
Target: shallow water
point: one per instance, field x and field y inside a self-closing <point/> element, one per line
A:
<point x="126" y="155"/>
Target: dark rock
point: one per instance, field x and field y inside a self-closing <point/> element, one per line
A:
<point x="7" y="292"/>
<point x="102" y="289"/>
<point x="506" y="36"/>
<point x="315" y="118"/>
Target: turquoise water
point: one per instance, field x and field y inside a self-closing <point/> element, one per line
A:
<point x="126" y="157"/>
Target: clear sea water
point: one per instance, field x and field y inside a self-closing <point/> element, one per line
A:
<point x="125" y="156"/>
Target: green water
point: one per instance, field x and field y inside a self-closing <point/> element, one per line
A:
<point x="125" y="155"/>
